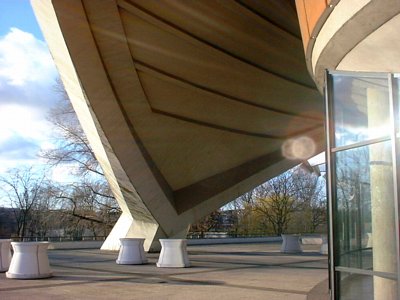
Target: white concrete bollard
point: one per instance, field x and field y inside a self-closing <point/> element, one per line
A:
<point x="30" y="261"/>
<point x="131" y="252"/>
<point x="291" y="243"/>
<point x="324" y="246"/>
<point x="5" y="254"/>
<point x="173" y="254"/>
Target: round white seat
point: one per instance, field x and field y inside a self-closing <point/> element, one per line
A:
<point x="131" y="252"/>
<point x="5" y="254"/>
<point x="29" y="261"/>
<point x="173" y="254"/>
<point x="291" y="243"/>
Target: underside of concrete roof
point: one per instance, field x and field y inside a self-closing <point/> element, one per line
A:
<point x="187" y="104"/>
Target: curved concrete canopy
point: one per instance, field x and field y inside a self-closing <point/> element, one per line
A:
<point x="186" y="103"/>
<point x="354" y="36"/>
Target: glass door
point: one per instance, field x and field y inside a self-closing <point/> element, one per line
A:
<point x="362" y="158"/>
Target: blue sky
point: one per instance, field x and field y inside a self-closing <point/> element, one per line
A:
<point x="27" y="79"/>
<point x="18" y="13"/>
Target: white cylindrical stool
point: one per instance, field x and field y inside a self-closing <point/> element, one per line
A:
<point x="173" y="254"/>
<point x="5" y="254"/>
<point x="30" y="261"/>
<point x="131" y="252"/>
<point x="291" y="243"/>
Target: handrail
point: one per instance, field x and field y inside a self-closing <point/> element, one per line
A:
<point x="56" y="238"/>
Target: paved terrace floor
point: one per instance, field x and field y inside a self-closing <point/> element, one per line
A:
<point x="245" y="271"/>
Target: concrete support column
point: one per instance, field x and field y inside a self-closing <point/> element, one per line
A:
<point x="382" y="200"/>
<point x="128" y="227"/>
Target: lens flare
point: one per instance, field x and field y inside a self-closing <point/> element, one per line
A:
<point x="299" y="148"/>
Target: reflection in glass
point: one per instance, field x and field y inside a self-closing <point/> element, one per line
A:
<point x="355" y="100"/>
<point x="364" y="193"/>
<point x="365" y="224"/>
<point x="353" y="206"/>
<point x="355" y="286"/>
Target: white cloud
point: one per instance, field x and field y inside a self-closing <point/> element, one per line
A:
<point x="24" y="121"/>
<point x="23" y="58"/>
<point x="27" y="91"/>
<point x="63" y="173"/>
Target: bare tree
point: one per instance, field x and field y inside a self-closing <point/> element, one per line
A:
<point x="25" y="190"/>
<point x="89" y="204"/>
<point x="276" y="201"/>
<point x="72" y="144"/>
<point x="41" y="219"/>
<point x="242" y="211"/>
<point x="296" y="198"/>
<point x="206" y="223"/>
<point x="89" y="198"/>
<point x="310" y="192"/>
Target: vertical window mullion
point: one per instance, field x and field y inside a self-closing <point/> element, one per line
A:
<point x="395" y="130"/>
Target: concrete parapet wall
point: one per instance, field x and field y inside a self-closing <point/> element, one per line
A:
<point x="234" y="240"/>
<point x="311" y="240"/>
<point x="307" y="240"/>
<point x="97" y="244"/>
<point x="76" y="245"/>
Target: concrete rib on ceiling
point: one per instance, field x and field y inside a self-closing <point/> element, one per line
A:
<point x="192" y="100"/>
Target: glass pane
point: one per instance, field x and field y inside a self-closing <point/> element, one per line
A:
<point x="365" y="218"/>
<point x="361" y="109"/>
<point x="355" y="286"/>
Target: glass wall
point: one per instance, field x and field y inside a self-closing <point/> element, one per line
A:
<point x="362" y="129"/>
